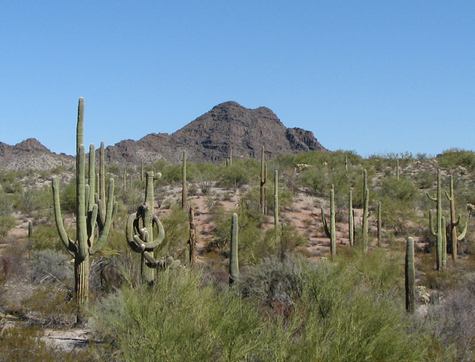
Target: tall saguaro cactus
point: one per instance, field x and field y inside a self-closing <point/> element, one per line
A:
<point x="140" y="233"/>
<point x="191" y="237"/>
<point x="351" y="219"/>
<point x="262" y="187"/>
<point x="444" y="245"/>
<point x="233" y="255"/>
<point x="330" y="231"/>
<point x="454" y="221"/>
<point x="86" y="217"/>
<point x="184" y="186"/>
<point x="365" y="220"/>
<point x="410" y="277"/>
<point x="380" y="224"/>
<point x="437" y="229"/>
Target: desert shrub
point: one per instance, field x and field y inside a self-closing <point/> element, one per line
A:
<point x="344" y="311"/>
<point x="68" y="197"/>
<point x="7" y="223"/>
<point x="51" y="266"/>
<point x="238" y="174"/>
<point x="425" y="179"/>
<point x="453" y="320"/>
<point x="176" y="231"/>
<point x="45" y="236"/>
<point x="36" y="200"/>
<point x="452" y="158"/>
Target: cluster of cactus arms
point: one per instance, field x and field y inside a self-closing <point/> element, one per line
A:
<point x="351" y="219"/>
<point x="454" y="221"/>
<point x="191" y="238"/>
<point x="184" y="186"/>
<point x="263" y="180"/>
<point x="365" y="212"/>
<point x="410" y="276"/>
<point x="87" y="216"/>
<point x="102" y="202"/>
<point x="233" y="252"/>
<point x="438" y="229"/>
<point x="380" y="224"/>
<point x="330" y="231"/>
<point x="140" y="234"/>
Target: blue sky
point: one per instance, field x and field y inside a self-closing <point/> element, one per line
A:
<point x="370" y="76"/>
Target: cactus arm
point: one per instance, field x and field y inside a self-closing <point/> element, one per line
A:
<point x="457" y="223"/>
<point x="161" y="235"/>
<point x="431" y="224"/>
<point x="104" y="234"/>
<point x="450" y="198"/>
<point x="136" y="245"/>
<point x="462" y="235"/>
<point x="91" y="225"/>
<point x="325" y="224"/>
<point x="431" y="197"/>
<point x="81" y="224"/>
<point x="86" y="196"/>
<point x="68" y="243"/>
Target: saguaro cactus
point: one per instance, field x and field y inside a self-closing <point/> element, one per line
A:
<point x="140" y="233"/>
<point x="380" y="223"/>
<point x="262" y="188"/>
<point x="444" y="244"/>
<point x="330" y="231"/>
<point x="191" y="238"/>
<point x="438" y="230"/>
<point x="351" y="219"/>
<point x="86" y="217"/>
<point x="410" y="277"/>
<point x="365" y="221"/>
<point x="276" y="199"/>
<point x="454" y="221"/>
<point x="184" y="186"/>
<point x="233" y="254"/>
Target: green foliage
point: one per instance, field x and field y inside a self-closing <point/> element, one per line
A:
<point x="45" y="236"/>
<point x="7" y="223"/>
<point x="176" y="232"/>
<point x="453" y="158"/>
<point x="351" y="310"/>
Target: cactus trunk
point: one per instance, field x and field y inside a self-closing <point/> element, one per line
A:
<point x="439" y="227"/>
<point x="351" y="219"/>
<point x="233" y="255"/>
<point x="365" y="221"/>
<point x="262" y="187"/>
<point x="410" y="277"/>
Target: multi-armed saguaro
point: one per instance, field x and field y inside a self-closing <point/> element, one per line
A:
<point x="140" y="233"/>
<point x="86" y="217"/>
<point x="454" y="221"/>
<point x="438" y="230"/>
<point x="330" y="231"/>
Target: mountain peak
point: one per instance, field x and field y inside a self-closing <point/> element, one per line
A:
<point x="31" y="145"/>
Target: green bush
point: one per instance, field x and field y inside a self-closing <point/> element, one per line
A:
<point x="7" y="223"/>
<point x="452" y="158"/>
<point x="351" y="310"/>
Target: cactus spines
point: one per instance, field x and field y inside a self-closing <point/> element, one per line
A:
<point x="437" y="229"/>
<point x="351" y="219"/>
<point x="233" y="255"/>
<point x="330" y="231"/>
<point x="454" y="221"/>
<point x="140" y="233"/>
<point x="262" y="187"/>
<point x="86" y="218"/>
<point x="192" y="237"/>
<point x="410" y="276"/>
<point x="380" y="224"/>
<point x="365" y="221"/>
<point x="184" y="187"/>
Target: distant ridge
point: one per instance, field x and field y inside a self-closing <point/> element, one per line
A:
<point x="210" y="137"/>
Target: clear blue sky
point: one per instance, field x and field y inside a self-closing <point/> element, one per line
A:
<point x="370" y="76"/>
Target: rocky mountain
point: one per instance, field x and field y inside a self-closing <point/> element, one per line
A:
<point x="31" y="154"/>
<point x="211" y="136"/>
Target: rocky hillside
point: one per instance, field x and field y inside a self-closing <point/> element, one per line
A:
<point x="211" y="136"/>
<point x="31" y="154"/>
